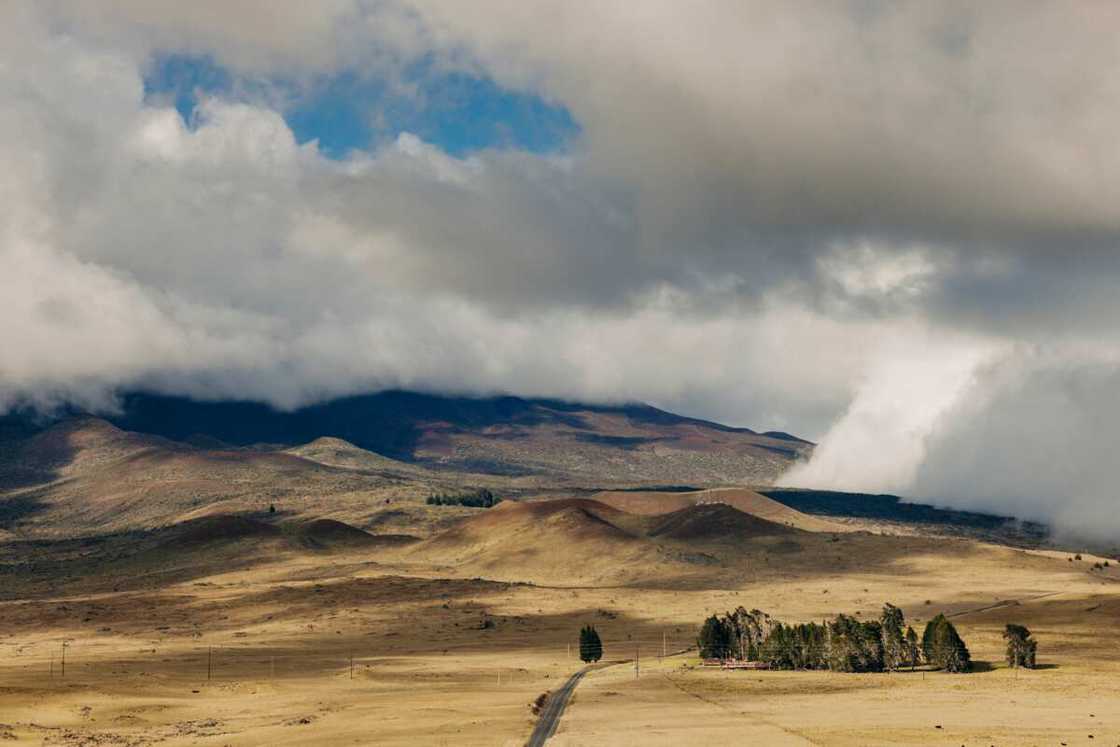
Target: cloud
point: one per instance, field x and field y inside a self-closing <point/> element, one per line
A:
<point x="881" y="441"/>
<point x="222" y="258"/>
<point x="1034" y="439"/>
<point x="910" y="116"/>
<point x="846" y="220"/>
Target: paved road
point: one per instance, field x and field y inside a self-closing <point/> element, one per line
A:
<point x="558" y="701"/>
<point x="554" y="708"/>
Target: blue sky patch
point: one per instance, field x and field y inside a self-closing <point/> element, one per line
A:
<point x="346" y="111"/>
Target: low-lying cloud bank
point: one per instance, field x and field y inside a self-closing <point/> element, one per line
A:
<point x="900" y="239"/>
<point x="1024" y="433"/>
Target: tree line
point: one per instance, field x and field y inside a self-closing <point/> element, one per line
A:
<point x="846" y="644"/>
<point x="481" y="498"/>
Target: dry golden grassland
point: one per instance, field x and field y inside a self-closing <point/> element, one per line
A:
<point x="444" y="653"/>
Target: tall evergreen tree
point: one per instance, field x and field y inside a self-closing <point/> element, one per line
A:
<point x="715" y="639"/>
<point x="913" y="651"/>
<point x="590" y="646"/>
<point x="777" y="649"/>
<point x="894" y="646"/>
<point x="943" y="647"/>
<point x="927" y="638"/>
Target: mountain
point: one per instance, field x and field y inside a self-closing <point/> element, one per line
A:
<point x="572" y="443"/>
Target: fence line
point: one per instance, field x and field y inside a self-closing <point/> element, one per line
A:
<point x="72" y="659"/>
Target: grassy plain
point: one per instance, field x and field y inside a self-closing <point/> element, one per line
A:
<point x="444" y="656"/>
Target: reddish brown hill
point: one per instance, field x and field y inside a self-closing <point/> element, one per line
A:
<point x="577" y="517"/>
<point x="216" y="528"/>
<point x="654" y="503"/>
<point x="716" y="521"/>
<point x="330" y="534"/>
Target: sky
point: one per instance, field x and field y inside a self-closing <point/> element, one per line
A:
<point x="888" y="227"/>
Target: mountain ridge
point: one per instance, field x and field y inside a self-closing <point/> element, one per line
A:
<point x="504" y="435"/>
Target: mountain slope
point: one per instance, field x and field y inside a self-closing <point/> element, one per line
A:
<point x="576" y="443"/>
<point x="84" y="476"/>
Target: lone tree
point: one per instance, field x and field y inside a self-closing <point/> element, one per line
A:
<point x="943" y="647"/>
<point x="1020" y="646"/>
<point x="590" y="647"/>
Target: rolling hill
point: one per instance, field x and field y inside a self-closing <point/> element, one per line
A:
<point x="653" y="503"/>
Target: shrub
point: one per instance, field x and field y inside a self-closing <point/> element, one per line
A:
<point x="481" y="498"/>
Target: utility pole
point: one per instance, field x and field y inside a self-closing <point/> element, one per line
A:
<point x="664" y="651"/>
<point x="52" y="664"/>
<point x="351" y="665"/>
<point x="637" y="659"/>
<point x="209" y="661"/>
<point x="64" y="659"/>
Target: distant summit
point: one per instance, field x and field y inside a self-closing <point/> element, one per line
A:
<point x="576" y="442"/>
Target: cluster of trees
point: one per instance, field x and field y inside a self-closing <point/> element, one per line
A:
<point x="737" y="635"/>
<point x="590" y="647"/>
<point x="481" y="498"/>
<point x="844" y="644"/>
<point x="1020" y="646"/>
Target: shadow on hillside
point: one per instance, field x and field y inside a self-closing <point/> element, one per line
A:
<point x="31" y="453"/>
<point x="17" y="509"/>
